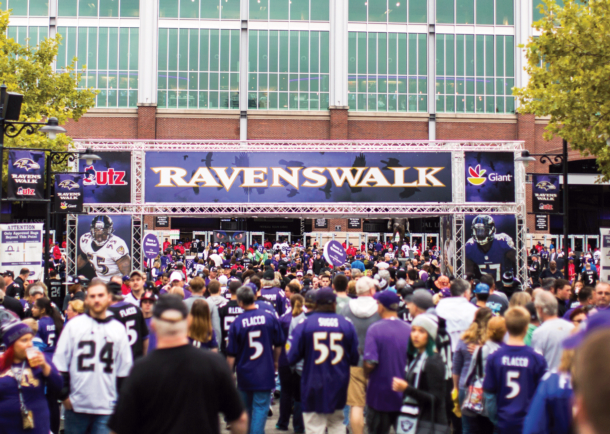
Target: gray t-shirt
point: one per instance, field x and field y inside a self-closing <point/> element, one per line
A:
<point x="548" y="338"/>
<point x="213" y="311"/>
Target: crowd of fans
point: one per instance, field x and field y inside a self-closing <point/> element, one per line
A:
<point x="387" y="341"/>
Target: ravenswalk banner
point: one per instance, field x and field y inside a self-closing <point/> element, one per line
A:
<point x="68" y="193"/>
<point x="545" y="197"/>
<point x="25" y="175"/>
<point x="21" y="247"/>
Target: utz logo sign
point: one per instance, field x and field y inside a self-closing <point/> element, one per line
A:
<point x="105" y="177"/>
<point x="490" y="176"/>
<point x="107" y="180"/>
<point x="26" y="164"/>
<point x="26" y="191"/>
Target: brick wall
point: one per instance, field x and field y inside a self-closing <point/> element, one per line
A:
<point x="338" y="124"/>
<point x="387" y="130"/>
<point x="288" y="129"/>
<point x="147" y="122"/>
<point x="475" y="131"/>
<point x="175" y="128"/>
<point x="92" y="127"/>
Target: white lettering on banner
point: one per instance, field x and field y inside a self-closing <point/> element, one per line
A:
<point x="291" y="178"/>
<point x="495" y="177"/>
<point x="257" y="177"/>
<point x="252" y="321"/>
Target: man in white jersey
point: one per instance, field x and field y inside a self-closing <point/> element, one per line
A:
<point x="94" y="356"/>
<point x="107" y="253"/>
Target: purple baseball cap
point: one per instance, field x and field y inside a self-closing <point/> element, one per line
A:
<point x="326" y="295"/>
<point x="596" y="322"/>
<point x="388" y="299"/>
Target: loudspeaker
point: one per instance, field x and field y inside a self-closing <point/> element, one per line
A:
<point x="12" y="106"/>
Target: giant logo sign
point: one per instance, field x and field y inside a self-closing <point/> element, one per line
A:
<point x="107" y="180"/>
<point x="490" y="176"/>
<point x="317" y="177"/>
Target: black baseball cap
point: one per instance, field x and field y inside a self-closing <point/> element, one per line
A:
<point x="269" y="275"/>
<point x="170" y="302"/>
<point x="326" y="295"/>
<point x="114" y="288"/>
<point x="8" y="273"/>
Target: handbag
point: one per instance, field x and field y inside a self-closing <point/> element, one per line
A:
<point x="474" y="403"/>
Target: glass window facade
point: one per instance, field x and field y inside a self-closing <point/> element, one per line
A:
<point x="204" y="9"/>
<point x="198" y="68"/>
<point x="475" y="74"/>
<point x="22" y="34"/>
<point x="388" y="11"/>
<point x="484" y="12"/>
<point x="288" y="70"/>
<point x="289" y="10"/>
<point x="110" y="56"/>
<point x="98" y="8"/>
<point x="387" y="72"/>
<point x="32" y="8"/>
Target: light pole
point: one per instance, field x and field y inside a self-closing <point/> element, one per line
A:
<point x="552" y="159"/>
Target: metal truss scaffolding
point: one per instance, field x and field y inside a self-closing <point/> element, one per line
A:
<point x="71" y="240"/>
<point x="458" y="208"/>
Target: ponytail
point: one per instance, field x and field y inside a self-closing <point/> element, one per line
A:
<point x="296" y="301"/>
<point x="45" y="304"/>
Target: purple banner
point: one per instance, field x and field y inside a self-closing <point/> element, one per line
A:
<point x="68" y="193"/>
<point x="26" y="175"/>
<point x="545" y="194"/>
<point x="490" y="176"/>
<point x="334" y="253"/>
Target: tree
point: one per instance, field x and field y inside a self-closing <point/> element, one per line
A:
<point x="569" y="68"/>
<point x="46" y="93"/>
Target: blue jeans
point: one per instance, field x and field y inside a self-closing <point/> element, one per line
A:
<point x="81" y="423"/>
<point x="257" y="404"/>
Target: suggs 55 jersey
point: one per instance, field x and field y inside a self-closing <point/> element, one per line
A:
<point x="104" y="259"/>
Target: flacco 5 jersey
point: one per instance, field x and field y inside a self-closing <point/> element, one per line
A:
<point x="495" y="261"/>
<point x="104" y="258"/>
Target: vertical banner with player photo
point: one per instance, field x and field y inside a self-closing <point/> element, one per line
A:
<point x="26" y="175"/>
<point x="104" y="246"/>
<point x="68" y="193"/>
<point x="545" y="197"/>
<point x="109" y="179"/>
<point x="447" y="245"/>
<point x="490" y="176"/>
<point x="490" y="246"/>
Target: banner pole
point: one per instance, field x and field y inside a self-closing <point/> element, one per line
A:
<point x="47" y="220"/>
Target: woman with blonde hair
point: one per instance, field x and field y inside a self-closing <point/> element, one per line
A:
<point x="290" y="381"/>
<point x="75" y="308"/>
<point x="520" y="299"/>
<point x="200" y="331"/>
<point x="476" y="335"/>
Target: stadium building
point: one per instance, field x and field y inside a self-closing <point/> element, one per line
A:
<point x="309" y="70"/>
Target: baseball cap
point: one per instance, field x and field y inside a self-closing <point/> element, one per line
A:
<point x="213" y="270"/>
<point x="36" y="289"/>
<point x="149" y="295"/>
<point x="269" y="275"/>
<point x="8" y="273"/>
<point x="138" y="273"/>
<point x="596" y="322"/>
<point x="388" y="299"/>
<point x="125" y="278"/>
<point x="326" y="295"/>
<point x="299" y="273"/>
<point x="176" y="275"/>
<point x="310" y="272"/>
<point x="114" y="288"/>
<point x="508" y="278"/>
<point x="170" y="303"/>
<point x="422" y="299"/>
<point x="481" y="288"/>
<point x="252" y="286"/>
<point x="531" y="308"/>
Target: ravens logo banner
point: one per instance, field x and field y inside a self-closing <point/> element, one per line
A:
<point x="26" y="175"/>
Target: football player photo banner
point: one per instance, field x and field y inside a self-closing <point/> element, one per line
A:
<point x="68" y="193"/>
<point x="26" y="175"/>
<point x="490" y="245"/>
<point x="447" y="244"/>
<point x="545" y="194"/>
<point x="20" y="247"/>
<point x="490" y="176"/>
<point x="104" y="246"/>
<point x="107" y="180"/>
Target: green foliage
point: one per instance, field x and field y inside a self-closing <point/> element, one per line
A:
<point x="569" y="68"/>
<point x="28" y="70"/>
